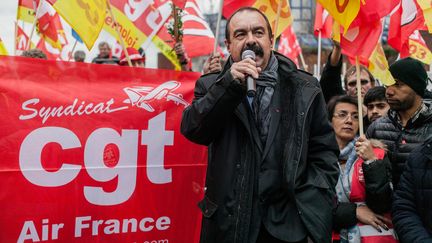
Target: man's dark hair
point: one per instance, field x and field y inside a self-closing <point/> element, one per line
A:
<point x="375" y="94"/>
<point x="331" y="105"/>
<point x="352" y="70"/>
<point x="251" y="9"/>
<point x="34" y="53"/>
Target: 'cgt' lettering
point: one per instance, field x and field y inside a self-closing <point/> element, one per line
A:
<point x="155" y="138"/>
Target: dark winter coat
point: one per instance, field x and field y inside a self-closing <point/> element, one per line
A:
<point x="412" y="205"/>
<point x="400" y="140"/>
<point x="301" y="149"/>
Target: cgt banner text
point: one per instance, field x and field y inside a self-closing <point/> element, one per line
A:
<point x="93" y="153"/>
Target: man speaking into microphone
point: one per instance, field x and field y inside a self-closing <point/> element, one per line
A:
<point x="272" y="165"/>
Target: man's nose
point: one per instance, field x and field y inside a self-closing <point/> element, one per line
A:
<point x="250" y="38"/>
<point x="389" y="91"/>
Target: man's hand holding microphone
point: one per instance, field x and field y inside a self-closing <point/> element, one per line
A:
<point x="246" y="71"/>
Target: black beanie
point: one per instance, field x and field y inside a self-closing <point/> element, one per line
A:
<point x="412" y="73"/>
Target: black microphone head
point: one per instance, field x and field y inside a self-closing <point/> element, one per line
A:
<point x="248" y="54"/>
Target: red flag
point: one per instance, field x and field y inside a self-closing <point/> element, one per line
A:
<point x="179" y="3"/>
<point x="50" y="27"/>
<point x="26" y="10"/>
<point x="230" y="6"/>
<point x="403" y="23"/>
<point x="22" y="40"/>
<point x="416" y="47"/>
<point x="289" y="45"/>
<point x="51" y="52"/>
<point x="62" y="146"/>
<point x="198" y="39"/>
<point x="373" y="11"/>
<point x="323" y="22"/>
<point x="268" y="7"/>
<point x="361" y="40"/>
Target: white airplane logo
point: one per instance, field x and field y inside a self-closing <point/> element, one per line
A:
<point x="142" y="96"/>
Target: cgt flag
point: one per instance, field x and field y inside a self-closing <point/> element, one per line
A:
<point x="372" y="11"/>
<point x="344" y="12"/>
<point x="22" y="40"/>
<point x="360" y="41"/>
<point x="268" y="7"/>
<point x="416" y="48"/>
<point x="289" y="45"/>
<point x="198" y="39"/>
<point x="84" y="16"/>
<point x="50" y="27"/>
<point x="95" y="154"/>
<point x="406" y="19"/>
<point x="26" y="10"/>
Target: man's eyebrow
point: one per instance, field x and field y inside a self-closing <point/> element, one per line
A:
<point x="239" y="30"/>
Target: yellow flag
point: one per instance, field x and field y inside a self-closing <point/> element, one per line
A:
<point x="26" y="10"/>
<point x="3" y="51"/>
<point x="86" y="17"/>
<point x="336" y="35"/>
<point x="426" y="6"/>
<point x="134" y="37"/>
<point x="420" y="51"/>
<point x="270" y="9"/>
<point x="379" y="67"/>
<point x="342" y="11"/>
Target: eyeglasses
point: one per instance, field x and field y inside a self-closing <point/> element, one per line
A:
<point x="344" y="115"/>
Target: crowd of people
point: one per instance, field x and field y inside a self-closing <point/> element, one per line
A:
<point x="289" y="164"/>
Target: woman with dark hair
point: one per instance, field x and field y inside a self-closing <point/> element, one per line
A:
<point x="363" y="189"/>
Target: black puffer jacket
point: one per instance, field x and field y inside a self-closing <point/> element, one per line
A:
<point x="412" y="206"/>
<point x="400" y="140"/>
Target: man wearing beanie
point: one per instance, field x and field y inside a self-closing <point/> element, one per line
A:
<point x="409" y="120"/>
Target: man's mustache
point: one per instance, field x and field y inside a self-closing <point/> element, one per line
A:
<point x="255" y="48"/>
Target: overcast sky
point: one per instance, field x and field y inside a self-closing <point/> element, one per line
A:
<point x="8" y="10"/>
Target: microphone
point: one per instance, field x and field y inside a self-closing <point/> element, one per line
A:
<point x="250" y="82"/>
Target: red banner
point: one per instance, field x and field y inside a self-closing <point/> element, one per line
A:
<point x="93" y="153"/>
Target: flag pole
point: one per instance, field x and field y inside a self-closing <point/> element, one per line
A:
<point x="218" y="27"/>
<point x="33" y="26"/>
<point x="118" y="33"/>
<point x="277" y="23"/>
<point x="359" y="98"/>
<point x="73" y="49"/>
<point x="319" y="54"/>
<point x="305" y="67"/>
